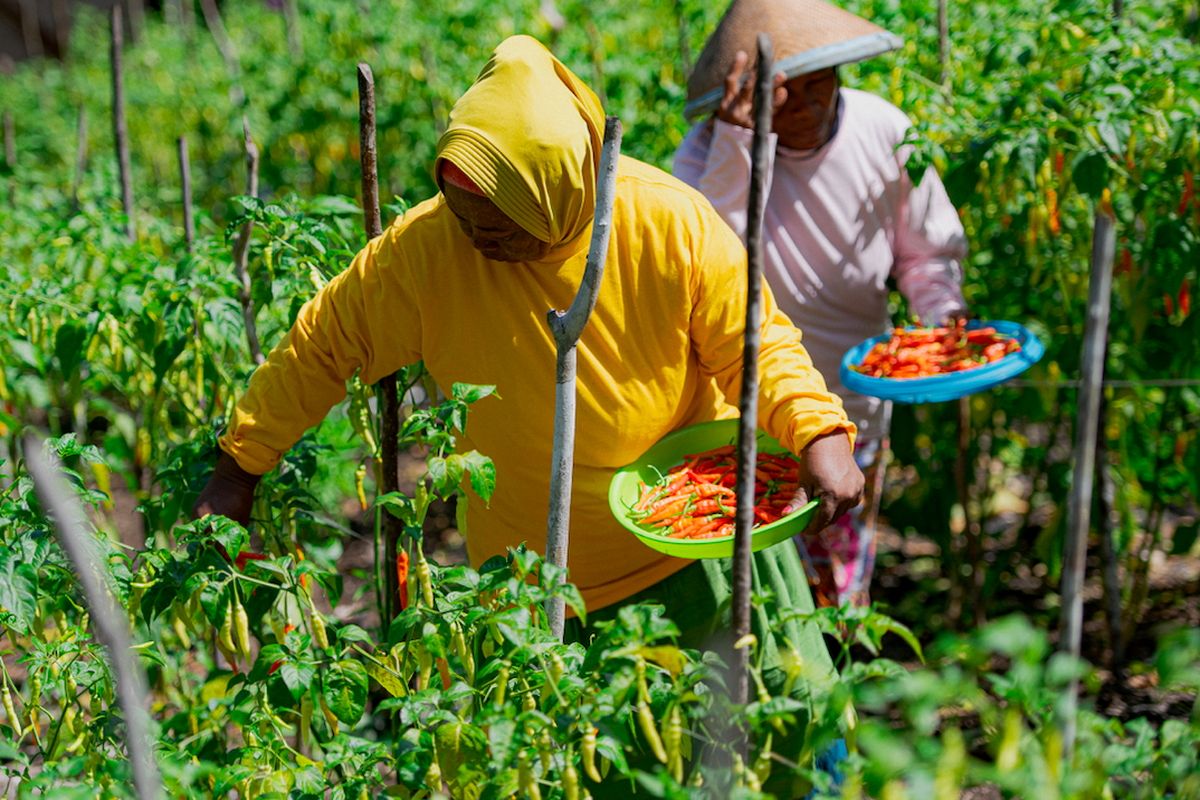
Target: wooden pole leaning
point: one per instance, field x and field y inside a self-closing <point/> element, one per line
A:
<point x="109" y="619"/>
<point x="567" y="327"/>
<point x="1079" y="502"/>
<point x="747" y="449"/>
<point x="388" y="386"/>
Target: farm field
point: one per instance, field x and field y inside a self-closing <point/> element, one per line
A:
<point x="277" y="666"/>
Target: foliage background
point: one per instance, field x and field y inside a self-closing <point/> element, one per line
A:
<point x="1039" y="109"/>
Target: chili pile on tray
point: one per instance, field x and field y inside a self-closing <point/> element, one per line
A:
<point x="698" y="499"/>
<point x="921" y="352"/>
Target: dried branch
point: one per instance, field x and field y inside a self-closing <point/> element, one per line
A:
<point x="1079" y="502"/>
<point x="567" y="328"/>
<point x="748" y="404"/>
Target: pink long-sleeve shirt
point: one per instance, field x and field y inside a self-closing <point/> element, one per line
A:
<point x="839" y="221"/>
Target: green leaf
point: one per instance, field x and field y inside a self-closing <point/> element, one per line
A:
<point x="1183" y="539"/>
<point x="444" y="474"/>
<point x="470" y="393"/>
<point x="462" y="754"/>
<point x="482" y="473"/>
<point x="70" y="344"/>
<point x="297" y="676"/>
<point x="383" y="675"/>
<point x="165" y="354"/>
<point x="267" y="657"/>
<point x="1089" y="171"/>
<point x="332" y="205"/>
<point x="18" y="589"/>
<point x="345" y="690"/>
<point x="961" y="181"/>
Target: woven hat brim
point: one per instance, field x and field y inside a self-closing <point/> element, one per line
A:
<point x="831" y="55"/>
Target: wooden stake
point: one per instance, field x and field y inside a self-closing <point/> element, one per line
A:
<point x="241" y="251"/>
<point x="120" y="129"/>
<point x="743" y="555"/>
<point x="137" y="20"/>
<point x="1079" y="502"/>
<point x="62" y="27"/>
<point x="567" y="327"/>
<point x="212" y="18"/>
<point x="388" y="387"/>
<point x="31" y="28"/>
<point x="185" y="176"/>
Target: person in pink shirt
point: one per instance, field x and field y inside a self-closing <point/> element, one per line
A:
<point x="842" y="215"/>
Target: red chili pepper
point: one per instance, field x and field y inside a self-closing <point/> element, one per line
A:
<point x="1188" y="191"/>
<point x="1185" y="298"/>
<point x="402" y="575"/>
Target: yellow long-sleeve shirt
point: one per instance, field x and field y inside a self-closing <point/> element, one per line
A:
<point x="664" y="338"/>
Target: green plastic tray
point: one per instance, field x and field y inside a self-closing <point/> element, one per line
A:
<point x="668" y="451"/>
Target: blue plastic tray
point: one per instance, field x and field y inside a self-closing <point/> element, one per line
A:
<point x="937" y="388"/>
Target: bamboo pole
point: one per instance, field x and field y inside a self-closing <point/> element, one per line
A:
<point x="748" y="423"/>
<point x="112" y="627"/>
<point x="120" y="128"/>
<point x="241" y="251"/>
<point x="1079" y="502"/>
<point x="185" y="180"/>
<point x="389" y="408"/>
<point x="567" y="328"/>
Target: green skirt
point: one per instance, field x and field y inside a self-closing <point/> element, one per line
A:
<point x="698" y="599"/>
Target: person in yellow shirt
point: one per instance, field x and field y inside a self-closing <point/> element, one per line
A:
<point x="463" y="280"/>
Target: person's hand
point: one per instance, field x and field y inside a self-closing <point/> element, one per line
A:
<point x="954" y="317"/>
<point x="229" y="492"/>
<point x="828" y="474"/>
<point x="737" y="107"/>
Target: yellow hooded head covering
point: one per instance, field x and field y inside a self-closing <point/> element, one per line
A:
<point x="528" y="133"/>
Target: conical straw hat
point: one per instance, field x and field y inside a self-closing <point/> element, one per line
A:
<point x="808" y="35"/>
